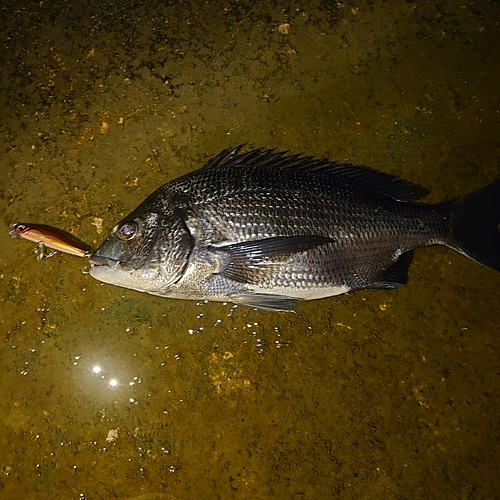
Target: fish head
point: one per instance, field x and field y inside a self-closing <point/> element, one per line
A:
<point x="146" y="251"/>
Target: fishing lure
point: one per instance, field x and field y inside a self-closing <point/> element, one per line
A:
<point x="50" y="237"/>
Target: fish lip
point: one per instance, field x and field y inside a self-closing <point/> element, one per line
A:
<point x="99" y="261"/>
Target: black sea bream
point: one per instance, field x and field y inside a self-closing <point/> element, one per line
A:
<point x="265" y="229"/>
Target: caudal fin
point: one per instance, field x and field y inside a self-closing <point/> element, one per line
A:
<point x="476" y="219"/>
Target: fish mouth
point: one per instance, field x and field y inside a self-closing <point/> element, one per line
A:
<point x="99" y="261"/>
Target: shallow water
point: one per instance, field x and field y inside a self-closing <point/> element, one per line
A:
<point x="109" y="393"/>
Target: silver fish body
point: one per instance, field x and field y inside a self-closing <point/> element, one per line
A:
<point x="265" y="229"/>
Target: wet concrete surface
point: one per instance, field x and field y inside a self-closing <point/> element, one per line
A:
<point x="110" y="393"/>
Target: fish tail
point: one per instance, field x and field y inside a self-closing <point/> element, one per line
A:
<point x="475" y="225"/>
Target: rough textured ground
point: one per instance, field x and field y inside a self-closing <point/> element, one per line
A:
<point x="365" y="396"/>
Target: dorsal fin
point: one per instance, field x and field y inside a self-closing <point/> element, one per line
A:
<point x="374" y="180"/>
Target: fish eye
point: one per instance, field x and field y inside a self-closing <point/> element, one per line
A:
<point x="19" y="227"/>
<point x="127" y="231"/>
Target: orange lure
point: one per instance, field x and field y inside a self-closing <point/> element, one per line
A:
<point x="51" y="237"/>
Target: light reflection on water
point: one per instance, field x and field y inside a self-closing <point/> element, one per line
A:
<point x="105" y="379"/>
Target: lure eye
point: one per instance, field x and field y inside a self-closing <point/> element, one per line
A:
<point x="127" y="231"/>
<point x="19" y="228"/>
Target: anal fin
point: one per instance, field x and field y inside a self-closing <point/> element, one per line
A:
<point x="394" y="276"/>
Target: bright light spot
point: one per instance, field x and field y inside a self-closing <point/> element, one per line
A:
<point x="113" y="382"/>
<point x="96" y="369"/>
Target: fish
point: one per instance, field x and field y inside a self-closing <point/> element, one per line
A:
<point x="268" y="229"/>
<point x="50" y="237"/>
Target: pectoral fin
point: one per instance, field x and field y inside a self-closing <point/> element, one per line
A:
<point x="251" y="261"/>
